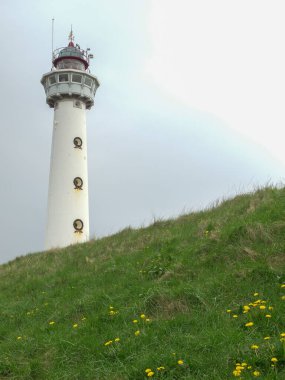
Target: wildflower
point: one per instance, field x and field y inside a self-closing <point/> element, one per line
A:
<point x="142" y="316"/>
<point x="135" y="321"/>
<point x="255" y="294"/>
<point x="83" y="318"/>
<point x="270" y="308"/>
<point x="148" y="370"/>
<point x="274" y="360"/>
<point x="262" y="307"/>
<point x="19" y="337"/>
<point x="147" y="320"/>
<point x="111" y="307"/>
<point x="249" y="324"/>
<point x="150" y="374"/>
<point x="117" y="339"/>
<point x="236" y="373"/>
<point x="282" y="334"/>
<point x="160" y="368"/>
<point x="108" y="343"/>
<point x="246" y="308"/>
<point x="283" y="286"/>
<point x="283" y="298"/>
<point x="137" y="332"/>
<point x="75" y="325"/>
<point x="268" y="316"/>
<point x="235" y="316"/>
<point x="254" y="346"/>
<point x="256" y="373"/>
<point x="266" y="338"/>
<point x="112" y="312"/>
<point x="51" y="323"/>
<point x="229" y="311"/>
<point x="180" y="362"/>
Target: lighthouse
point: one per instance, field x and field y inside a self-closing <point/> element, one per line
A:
<point x="70" y="90"/>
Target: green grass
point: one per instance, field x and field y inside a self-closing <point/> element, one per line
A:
<point x="182" y="274"/>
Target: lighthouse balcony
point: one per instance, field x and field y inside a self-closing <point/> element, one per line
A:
<point x="70" y="83"/>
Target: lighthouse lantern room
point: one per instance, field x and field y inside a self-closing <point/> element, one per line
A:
<point x="70" y="90"/>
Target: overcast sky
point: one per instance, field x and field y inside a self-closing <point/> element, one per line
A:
<point x="190" y="107"/>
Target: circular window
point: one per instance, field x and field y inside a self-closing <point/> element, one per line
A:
<point x="78" y="225"/>
<point x="78" y="183"/>
<point x="77" y="142"/>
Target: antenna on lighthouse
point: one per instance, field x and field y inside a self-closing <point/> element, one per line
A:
<point x="52" y="32"/>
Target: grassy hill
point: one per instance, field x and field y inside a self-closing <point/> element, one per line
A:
<point x="199" y="297"/>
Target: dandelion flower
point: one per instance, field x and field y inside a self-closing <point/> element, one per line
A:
<point x="236" y="373"/>
<point x="83" y="318"/>
<point x="256" y="373"/>
<point x="108" y="343"/>
<point x="235" y="316"/>
<point x="270" y="308"/>
<point x="150" y="374"/>
<point x="266" y="338"/>
<point x="135" y="321"/>
<point x="274" y="360"/>
<point x="160" y="368"/>
<point x="249" y="324"/>
<point x="283" y="298"/>
<point x="142" y="316"/>
<point x="75" y="325"/>
<point x="246" y="308"/>
<point x="117" y="340"/>
<point x="268" y="316"/>
<point x="282" y="334"/>
<point x="262" y="307"/>
<point x="137" y="332"/>
<point x="51" y="323"/>
<point x="180" y="362"/>
<point x="148" y="370"/>
<point x="147" y="320"/>
<point x="19" y="337"/>
<point x="229" y="311"/>
<point x="283" y="286"/>
<point x="254" y="346"/>
<point x="256" y="294"/>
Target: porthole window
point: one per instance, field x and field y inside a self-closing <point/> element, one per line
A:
<point x="78" y="225"/>
<point x="52" y="79"/>
<point x="63" y="77"/>
<point x="76" y="78"/>
<point x="77" y="142"/>
<point x="88" y="82"/>
<point x="78" y="183"/>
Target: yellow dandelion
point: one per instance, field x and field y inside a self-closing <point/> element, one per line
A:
<point x="244" y="364"/>
<point x="19" y="337"/>
<point x="229" y="311"/>
<point x="283" y="286"/>
<point x="249" y="324"/>
<point x="117" y="339"/>
<point x="160" y="368"/>
<point x="148" y="370"/>
<point x="266" y="338"/>
<point x="108" y="343"/>
<point x="143" y="316"/>
<point x="236" y="373"/>
<point x="254" y="346"/>
<point x="147" y="320"/>
<point x="235" y="316"/>
<point x="180" y="362"/>
<point x="246" y="308"/>
<point x="135" y="321"/>
<point x="239" y="368"/>
<point x="270" y="308"/>
<point x="256" y="373"/>
<point x="268" y="316"/>
<point x="83" y="318"/>
<point x="283" y="298"/>
<point x="150" y="374"/>
<point x="262" y="307"/>
<point x="274" y="360"/>
<point x="111" y="307"/>
<point x="137" y="332"/>
<point x="249" y="367"/>
<point x="75" y="325"/>
<point x="51" y="323"/>
<point x="256" y="294"/>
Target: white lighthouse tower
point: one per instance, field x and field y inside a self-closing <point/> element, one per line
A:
<point x="70" y="90"/>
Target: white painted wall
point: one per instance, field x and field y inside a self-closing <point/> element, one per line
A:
<point x="65" y="204"/>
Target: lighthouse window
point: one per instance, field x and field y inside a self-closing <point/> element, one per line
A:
<point x="76" y="78"/>
<point x="77" y="142"/>
<point x="78" y="225"/>
<point x="52" y="80"/>
<point x="88" y="82"/>
<point x="63" y="77"/>
<point x="78" y="183"/>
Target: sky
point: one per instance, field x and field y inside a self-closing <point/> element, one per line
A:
<point x="190" y="108"/>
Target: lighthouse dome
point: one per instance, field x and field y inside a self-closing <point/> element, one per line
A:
<point x="71" y="57"/>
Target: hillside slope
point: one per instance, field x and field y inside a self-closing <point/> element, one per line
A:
<point x="199" y="297"/>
